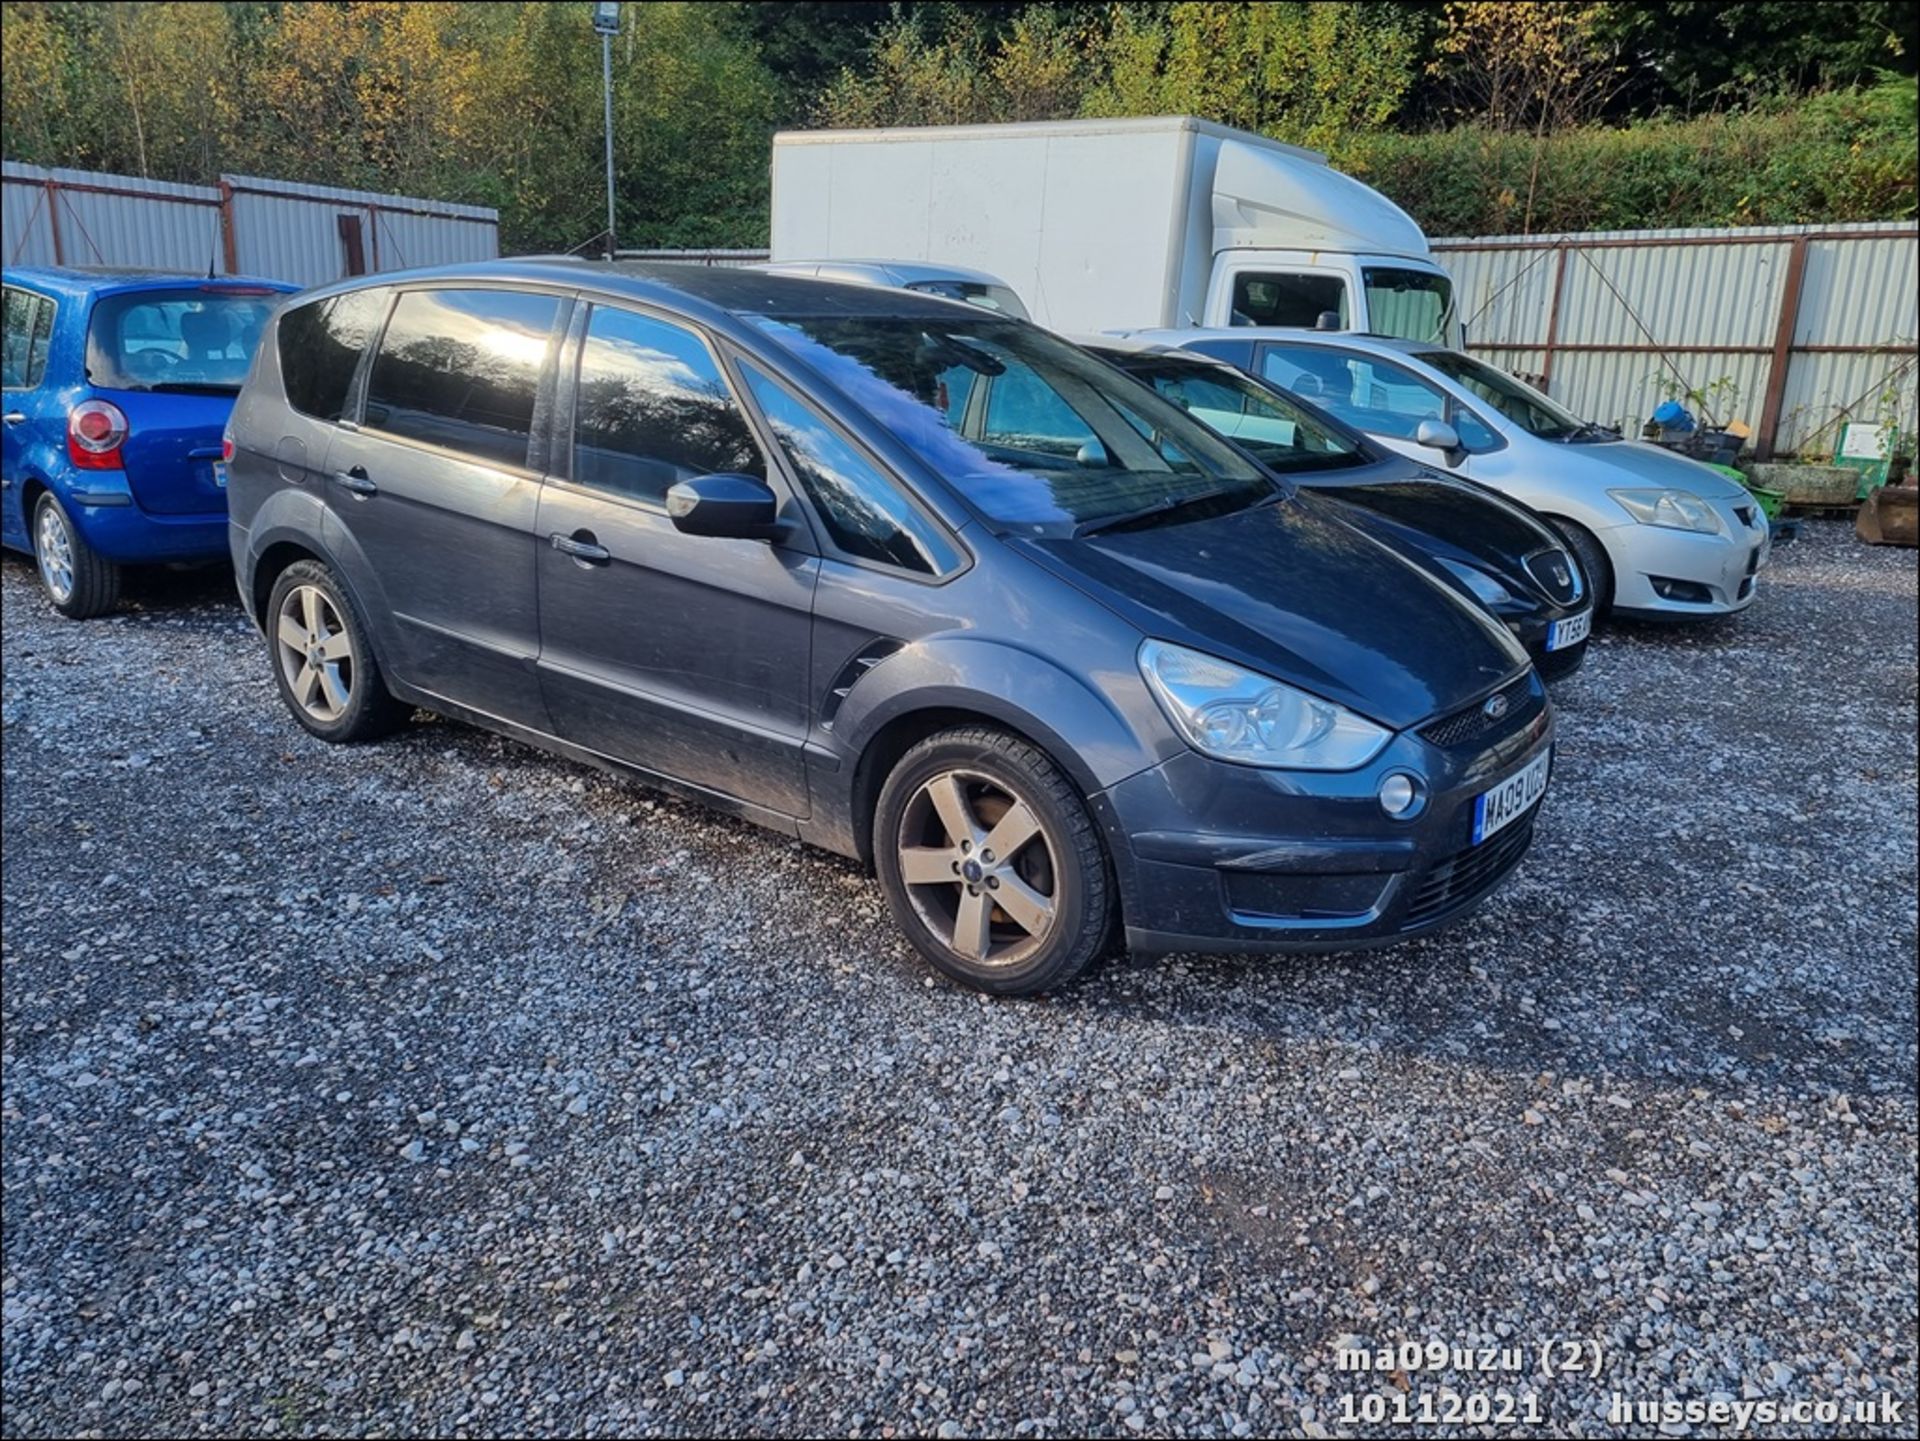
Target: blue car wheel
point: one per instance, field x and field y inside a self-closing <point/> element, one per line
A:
<point x="79" y="581"/>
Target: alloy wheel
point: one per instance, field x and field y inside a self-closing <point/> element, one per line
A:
<point x="316" y="653"/>
<point x="979" y="867"/>
<point x="54" y="549"/>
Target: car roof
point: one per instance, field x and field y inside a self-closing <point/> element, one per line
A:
<point x="714" y="294"/>
<point x="103" y="279"/>
<point x="898" y="272"/>
<point x="1291" y="335"/>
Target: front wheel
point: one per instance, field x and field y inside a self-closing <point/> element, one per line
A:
<point x="79" y="581"/>
<point x="991" y="863"/>
<point x="1592" y="557"/>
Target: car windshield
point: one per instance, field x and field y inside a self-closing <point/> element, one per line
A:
<point x="1255" y="417"/>
<point x="1522" y="404"/>
<point x="192" y="338"/>
<point x="1408" y="304"/>
<point x="997" y="298"/>
<point x="1031" y="430"/>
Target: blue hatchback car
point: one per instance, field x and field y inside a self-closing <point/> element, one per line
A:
<point x="118" y="388"/>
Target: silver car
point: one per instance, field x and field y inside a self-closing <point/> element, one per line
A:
<point x="950" y="282"/>
<point x="1660" y="536"/>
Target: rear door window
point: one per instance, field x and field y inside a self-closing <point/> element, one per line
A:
<point x="29" y="326"/>
<point x="652" y="409"/>
<point x="320" y="347"/>
<point x="461" y="369"/>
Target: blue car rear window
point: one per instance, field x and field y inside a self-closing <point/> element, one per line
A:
<point x="192" y="338"/>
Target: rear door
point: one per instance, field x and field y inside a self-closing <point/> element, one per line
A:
<point x="437" y="488"/>
<point x="28" y="334"/>
<point x="684" y="654"/>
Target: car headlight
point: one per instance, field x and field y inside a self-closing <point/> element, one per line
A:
<point x="1485" y="588"/>
<point x="1234" y="714"/>
<point x="1674" y="509"/>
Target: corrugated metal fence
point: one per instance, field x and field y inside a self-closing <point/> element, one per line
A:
<point x="1789" y="328"/>
<point x="246" y="225"/>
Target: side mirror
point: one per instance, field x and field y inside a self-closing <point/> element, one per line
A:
<point x="1437" y="435"/>
<point x="1327" y="320"/>
<point x="730" y="507"/>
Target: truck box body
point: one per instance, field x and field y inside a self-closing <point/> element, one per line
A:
<point x="1098" y="224"/>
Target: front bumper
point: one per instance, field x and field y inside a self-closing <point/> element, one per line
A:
<point x="1662" y="574"/>
<point x="1533" y="631"/>
<point x="1219" y="857"/>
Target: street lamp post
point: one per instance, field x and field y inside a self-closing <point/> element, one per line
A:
<point x="606" y="20"/>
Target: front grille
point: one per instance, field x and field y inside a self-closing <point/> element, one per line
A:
<point x="1745" y="512"/>
<point x="1557" y="664"/>
<point x="1559" y="577"/>
<point x="1473" y="722"/>
<point x="1465" y="877"/>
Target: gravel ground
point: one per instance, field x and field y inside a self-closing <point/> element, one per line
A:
<point x="445" y="1087"/>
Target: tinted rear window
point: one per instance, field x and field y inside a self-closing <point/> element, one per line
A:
<point x="192" y="338"/>
<point x="461" y="368"/>
<point x="320" y="346"/>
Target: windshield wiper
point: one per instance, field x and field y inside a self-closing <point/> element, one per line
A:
<point x="1590" y="431"/>
<point x="1166" y="505"/>
<point x="179" y="387"/>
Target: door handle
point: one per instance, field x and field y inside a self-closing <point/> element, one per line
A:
<point x="14" y="417"/>
<point x="581" y="546"/>
<point x="356" y="481"/>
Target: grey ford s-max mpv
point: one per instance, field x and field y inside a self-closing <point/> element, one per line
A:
<point x="923" y="585"/>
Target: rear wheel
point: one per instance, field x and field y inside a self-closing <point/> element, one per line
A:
<point x="1593" y="562"/>
<point x="79" y="581"/>
<point x="323" y="660"/>
<point x="991" y="863"/>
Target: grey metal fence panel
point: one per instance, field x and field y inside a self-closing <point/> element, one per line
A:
<point x="246" y="225"/>
<point x="1787" y="327"/>
<point x="293" y="231"/>
<point x="87" y="217"/>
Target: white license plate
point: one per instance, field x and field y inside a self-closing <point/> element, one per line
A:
<point x="220" y="474"/>
<point x="1571" y="631"/>
<point x="1495" y="810"/>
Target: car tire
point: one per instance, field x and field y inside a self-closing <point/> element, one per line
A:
<point x="323" y="660"/>
<point x="78" y="581"/>
<point x="1593" y="563"/>
<point x="1014" y="919"/>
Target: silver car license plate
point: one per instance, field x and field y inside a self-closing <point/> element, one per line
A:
<point x="1495" y="810"/>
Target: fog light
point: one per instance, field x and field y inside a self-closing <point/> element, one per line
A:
<point x="1399" y="795"/>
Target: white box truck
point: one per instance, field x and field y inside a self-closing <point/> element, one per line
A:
<point x="1118" y="224"/>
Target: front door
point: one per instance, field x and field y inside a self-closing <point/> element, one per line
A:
<point x="437" y="491"/>
<point x="687" y="655"/>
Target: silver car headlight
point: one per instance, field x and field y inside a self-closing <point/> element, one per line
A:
<point x="1486" y="589"/>
<point x="1234" y="714"/>
<point x="1674" y="509"/>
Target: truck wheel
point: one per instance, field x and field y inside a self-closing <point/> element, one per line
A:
<point x="991" y="863"/>
<point x="79" y="581"/>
